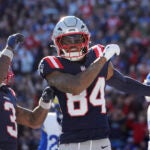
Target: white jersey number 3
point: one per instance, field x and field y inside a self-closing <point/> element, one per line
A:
<point x="96" y="98"/>
<point x="10" y="129"/>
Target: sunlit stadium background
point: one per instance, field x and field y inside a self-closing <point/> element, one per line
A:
<point x="125" y="22"/>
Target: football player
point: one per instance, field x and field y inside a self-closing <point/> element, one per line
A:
<point x="11" y="113"/>
<point x="51" y="130"/>
<point x="78" y="76"/>
<point x="147" y="82"/>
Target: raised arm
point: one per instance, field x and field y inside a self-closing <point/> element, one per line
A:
<point x="35" y="118"/>
<point x="126" y="84"/>
<point x="75" y="84"/>
<point x="6" y="55"/>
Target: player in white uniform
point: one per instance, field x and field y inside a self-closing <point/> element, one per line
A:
<point x="147" y="82"/>
<point x="50" y="132"/>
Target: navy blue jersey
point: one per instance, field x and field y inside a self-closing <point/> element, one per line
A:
<point x="84" y="115"/>
<point x="8" y="125"/>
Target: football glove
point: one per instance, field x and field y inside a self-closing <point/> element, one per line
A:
<point x="111" y="50"/>
<point x="15" y="39"/>
<point x="47" y="95"/>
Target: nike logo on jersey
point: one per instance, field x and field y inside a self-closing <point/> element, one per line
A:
<point x="104" y="147"/>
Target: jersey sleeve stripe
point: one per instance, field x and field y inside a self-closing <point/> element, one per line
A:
<point x="49" y="62"/>
<point x="58" y="62"/>
<point x="53" y="62"/>
<point x="98" y="49"/>
<point x="12" y="91"/>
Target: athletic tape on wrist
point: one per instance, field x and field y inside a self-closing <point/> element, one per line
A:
<point x="106" y="57"/>
<point x="7" y="53"/>
<point x="44" y="105"/>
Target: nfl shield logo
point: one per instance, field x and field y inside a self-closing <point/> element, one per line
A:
<point x="83" y="68"/>
<point x="41" y="68"/>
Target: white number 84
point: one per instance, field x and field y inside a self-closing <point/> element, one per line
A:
<point x="96" y="98"/>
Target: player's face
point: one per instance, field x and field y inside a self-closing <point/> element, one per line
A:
<point x="72" y="39"/>
<point x="72" y="42"/>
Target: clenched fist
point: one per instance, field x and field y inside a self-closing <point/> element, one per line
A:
<point x="47" y="98"/>
<point x="14" y="39"/>
<point x="47" y="95"/>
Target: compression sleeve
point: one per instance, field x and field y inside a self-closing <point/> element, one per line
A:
<point x="128" y="85"/>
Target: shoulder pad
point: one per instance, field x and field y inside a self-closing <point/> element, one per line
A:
<point x="12" y="92"/>
<point x="49" y="64"/>
<point x="98" y="50"/>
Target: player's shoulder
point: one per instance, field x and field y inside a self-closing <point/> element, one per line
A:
<point x="49" y="64"/>
<point x="12" y="91"/>
<point x="97" y="50"/>
<point x="6" y="88"/>
<point x="52" y="61"/>
<point x="7" y="94"/>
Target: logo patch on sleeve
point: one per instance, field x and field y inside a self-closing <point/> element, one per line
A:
<point x="41" y="68"/>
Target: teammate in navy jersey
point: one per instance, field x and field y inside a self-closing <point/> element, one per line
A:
<point x="78" y="76"/>
<point x="10" y="112"/>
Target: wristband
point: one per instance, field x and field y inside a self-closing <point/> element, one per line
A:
<point x="44" y="105"/>
<point x="8" y="53"/>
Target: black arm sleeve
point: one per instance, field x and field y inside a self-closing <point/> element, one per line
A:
<point x="128" y="85"/>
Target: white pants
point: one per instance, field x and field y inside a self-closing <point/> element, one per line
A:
<point x="102" y="144"/>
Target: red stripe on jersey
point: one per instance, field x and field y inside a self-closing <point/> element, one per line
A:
<point x="98" y="49"/>
<point x="13" y="92"/>
<point x="58" y="62"/>
<point x="49" y="62"/>
<point x="101" y="46"/>
<point x="54" y="62"/>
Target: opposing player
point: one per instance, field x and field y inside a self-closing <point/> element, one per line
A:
<point x="78" y="76"/>
<point x="147" y="82"/>
<point x="11" y="113"/>
<point x="51" y="131"/>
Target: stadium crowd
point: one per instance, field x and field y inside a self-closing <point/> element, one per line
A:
<point x="125" y="22"/>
